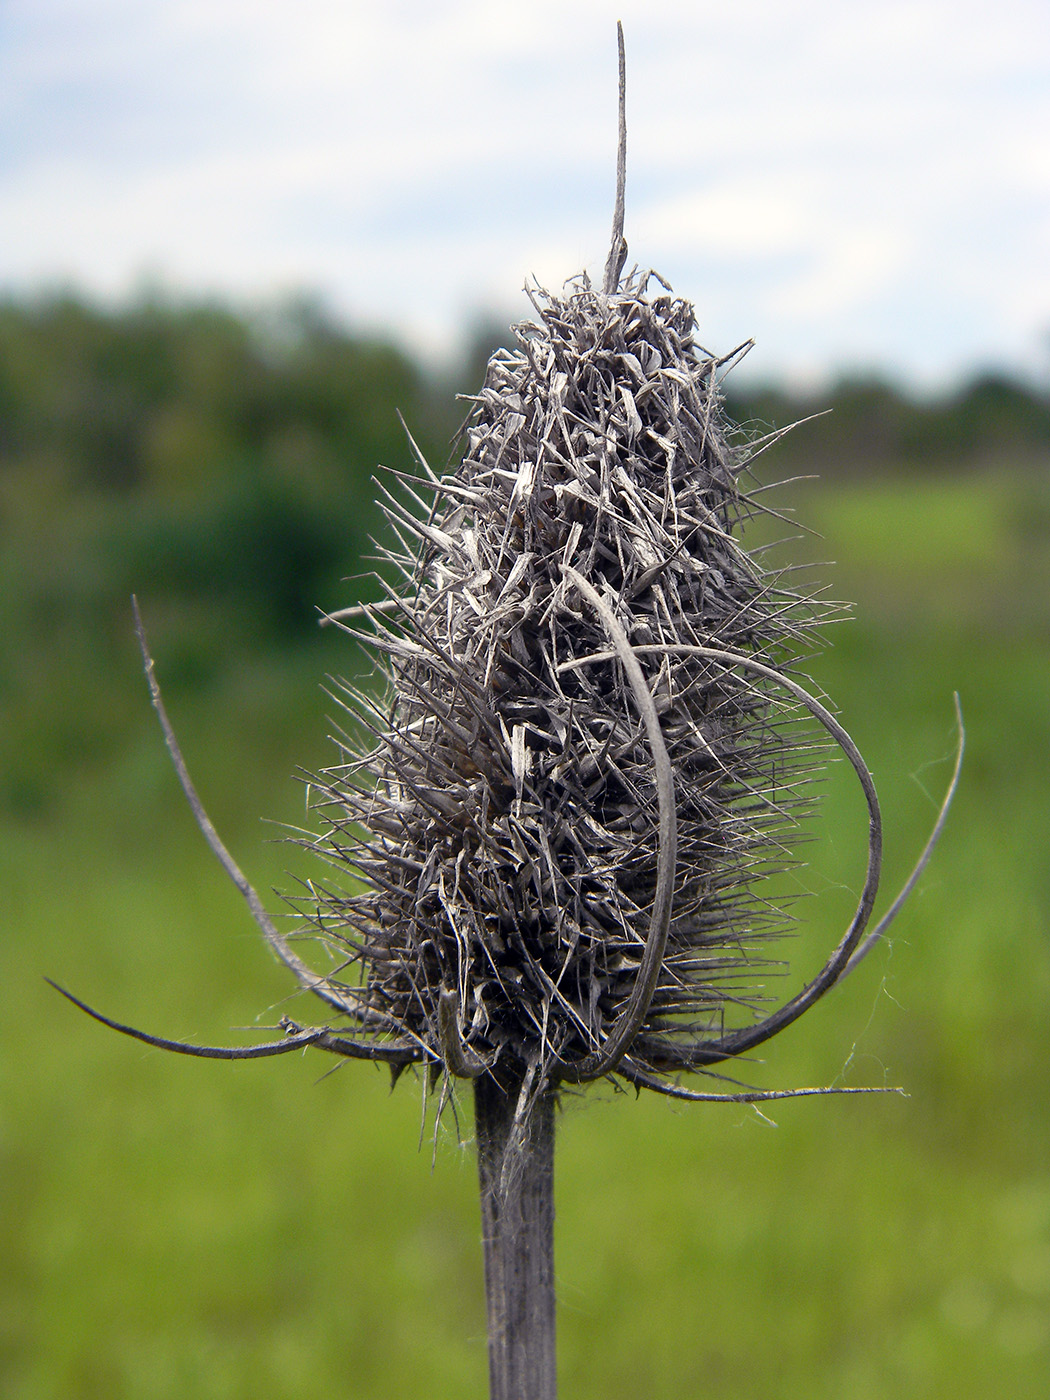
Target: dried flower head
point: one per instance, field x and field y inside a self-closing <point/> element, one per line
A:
<point x="588" y="748"/>
<point x="587" y="744"/>
<point x="580" y="766"/>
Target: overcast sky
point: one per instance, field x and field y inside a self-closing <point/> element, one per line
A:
<point x="857" y="184"/>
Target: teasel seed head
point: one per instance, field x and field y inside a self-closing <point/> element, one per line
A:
<point x="582" y="760"/>
<point x="586" y="744"/>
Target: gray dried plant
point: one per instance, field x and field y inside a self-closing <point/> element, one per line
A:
<point x="552" y="821"/>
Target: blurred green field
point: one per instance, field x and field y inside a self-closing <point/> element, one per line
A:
<point x="188" y="1230"/>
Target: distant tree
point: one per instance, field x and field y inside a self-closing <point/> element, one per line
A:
<point x="222" y="453"/>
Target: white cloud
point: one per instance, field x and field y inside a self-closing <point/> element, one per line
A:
<point x="850" y="270"/>
<point x="738" y="218"/>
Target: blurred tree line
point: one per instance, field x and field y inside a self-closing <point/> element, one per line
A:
<point x="213" y="455"/>
<point x="873" y="427"/>
<point x="220" y="465"/>
<point x="217" y="464"/>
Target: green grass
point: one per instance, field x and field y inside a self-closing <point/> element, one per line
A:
<point x="205" y="1231"/>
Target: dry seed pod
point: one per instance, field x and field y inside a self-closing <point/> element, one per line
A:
<point x="566" y="806"/>
<point x="588" y="748"/>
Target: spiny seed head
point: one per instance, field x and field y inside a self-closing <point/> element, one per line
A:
<point x="554" y="819"/>
<point x="505" y="822"/>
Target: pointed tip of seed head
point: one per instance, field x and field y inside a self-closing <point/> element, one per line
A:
<point x="618" y="249"/>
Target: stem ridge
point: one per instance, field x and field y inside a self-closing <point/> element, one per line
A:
<point x="516" y="1174"/>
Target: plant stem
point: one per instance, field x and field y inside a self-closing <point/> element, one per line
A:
<point x="516" y="1172"/>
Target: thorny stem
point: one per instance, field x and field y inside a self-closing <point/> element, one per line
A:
<point x="516" y="1175"/>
